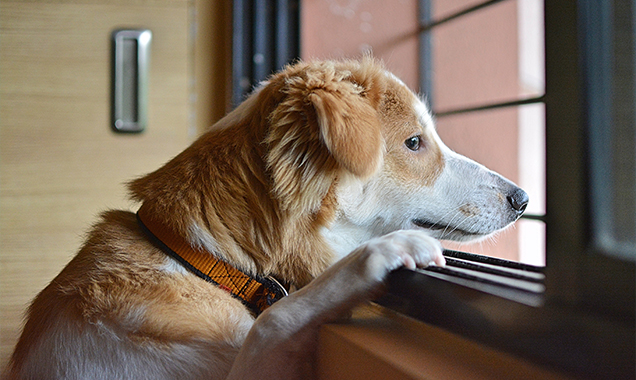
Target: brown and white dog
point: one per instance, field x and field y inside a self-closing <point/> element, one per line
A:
<point x="329" y="176"/>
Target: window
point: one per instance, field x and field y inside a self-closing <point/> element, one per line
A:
<point x="577" y="158"/>
<point x="480" y="66"/>
<point x="590" y="154"/>
<point x="585" y="323"/>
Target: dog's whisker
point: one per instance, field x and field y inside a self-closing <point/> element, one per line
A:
<point x="448" y="225"/>
<point x="458" y="225"/>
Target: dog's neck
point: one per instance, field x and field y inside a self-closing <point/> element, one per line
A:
<point x="223" y="194"/>
<point x="343" y="237"/>
<point x="257" y="293"/>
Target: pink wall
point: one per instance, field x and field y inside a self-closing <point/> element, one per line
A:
<point x="348" y="28"/>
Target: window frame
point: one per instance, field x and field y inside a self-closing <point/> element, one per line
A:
<point x="577" y="270"/>
<point x="586" y="323"/>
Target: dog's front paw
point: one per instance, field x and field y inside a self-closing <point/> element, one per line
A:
<point x="409" y="248"/>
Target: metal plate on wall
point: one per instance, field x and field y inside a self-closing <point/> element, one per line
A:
<point x="130" y="57"/>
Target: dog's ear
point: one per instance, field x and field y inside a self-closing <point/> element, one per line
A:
<point x="349" y="127"/>
<point x="324" y="123"/>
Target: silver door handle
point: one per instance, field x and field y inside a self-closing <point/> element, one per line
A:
<point x="131" y="50"/>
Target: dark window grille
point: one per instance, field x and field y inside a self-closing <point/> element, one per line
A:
<point x="266" y="36"/>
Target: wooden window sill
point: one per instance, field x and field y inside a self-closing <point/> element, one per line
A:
<point x="377" y="343"/>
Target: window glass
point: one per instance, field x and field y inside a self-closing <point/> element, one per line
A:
<point x="486" y="57"/>
<point x="444" y="8"/>
<point x="348" y="28"/>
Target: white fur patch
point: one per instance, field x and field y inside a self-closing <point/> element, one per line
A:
<point x="200" y="238"/>
<point x="170" y="265"/>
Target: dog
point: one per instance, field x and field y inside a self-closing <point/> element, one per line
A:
<point x="326" y="178"/>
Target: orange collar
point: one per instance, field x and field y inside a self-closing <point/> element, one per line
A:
<point x="257" y="293"/>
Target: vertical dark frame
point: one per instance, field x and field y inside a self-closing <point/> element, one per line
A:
<point x="425" y="42"/>
<point x="566" y="219"/>
<point x="578" y="106"/>
<point x="263" y="39"/>
<point x="241" y="49"/>
<point x="266" y="37"/>
<point x="287" y="32"/>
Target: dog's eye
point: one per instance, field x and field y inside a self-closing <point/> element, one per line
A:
<point x="413" y="143"/>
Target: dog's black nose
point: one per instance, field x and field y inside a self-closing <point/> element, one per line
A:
<point x="518" y="199"/>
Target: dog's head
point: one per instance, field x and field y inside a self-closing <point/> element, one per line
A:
<point x="321" y="157"/>
<point x="390" y="168"/>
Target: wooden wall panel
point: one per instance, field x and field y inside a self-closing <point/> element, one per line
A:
<point x="60" y="163"/>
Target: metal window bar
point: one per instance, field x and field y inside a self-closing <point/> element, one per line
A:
<point x="266" y="36"/>
<point x="426" y="52"/>
<point x="466" y="275"/>
<point x="485" y="107"/>
<point x="520" y="282"/>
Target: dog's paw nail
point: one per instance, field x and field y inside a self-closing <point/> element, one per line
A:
<point x="439" y="261"/>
